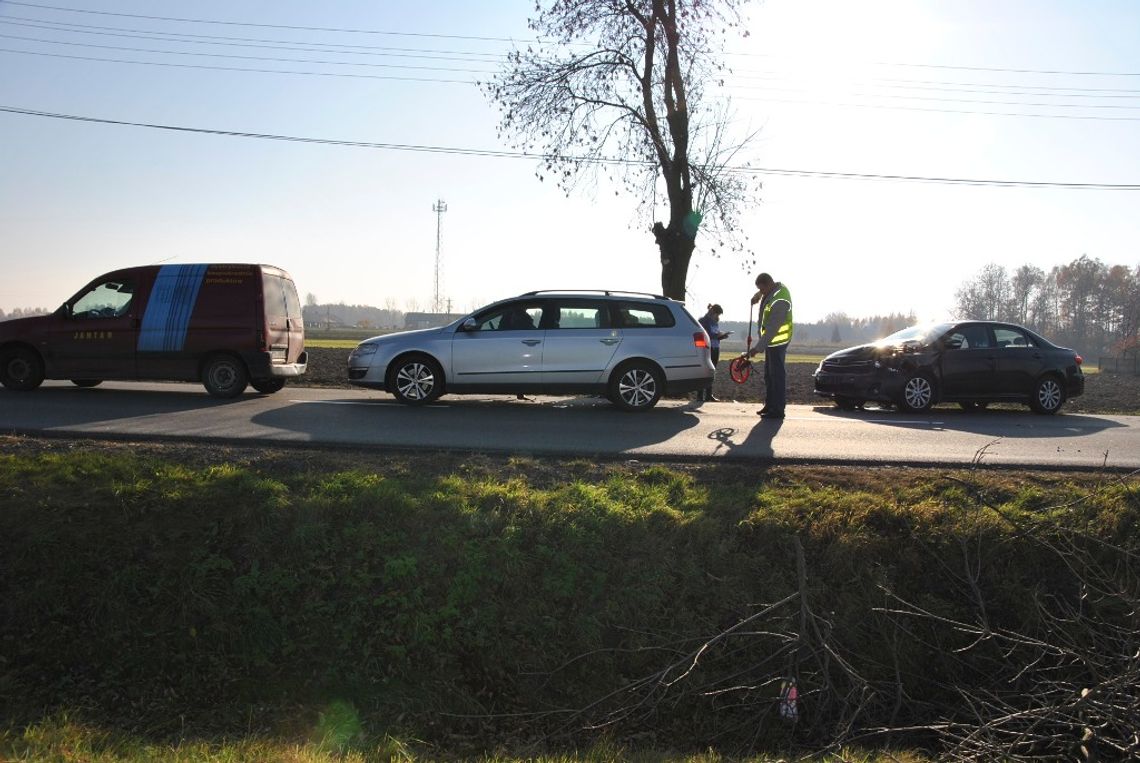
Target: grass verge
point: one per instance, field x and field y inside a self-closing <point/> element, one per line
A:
<point x="290" y="605"/>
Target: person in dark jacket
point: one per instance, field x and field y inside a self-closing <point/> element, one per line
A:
<point x="711" y="324"/>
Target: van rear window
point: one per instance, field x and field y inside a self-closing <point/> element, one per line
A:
<point x="281" y="298"/>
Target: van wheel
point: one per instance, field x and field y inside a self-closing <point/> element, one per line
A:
<point x="21" y="369"/>
<point x="86" y="382"/>
<point x="268" y="386"/>
<point x="636" y="386"/>
<point x="225" y="376"/>
<point x="415" y="380"/>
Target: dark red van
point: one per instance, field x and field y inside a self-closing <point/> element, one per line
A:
<point x="224" y="325"/>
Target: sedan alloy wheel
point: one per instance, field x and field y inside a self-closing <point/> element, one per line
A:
<point x="917" y="394"/>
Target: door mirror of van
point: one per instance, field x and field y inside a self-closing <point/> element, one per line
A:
<point x="953" y="344"/>
<point x="469" y="325"/>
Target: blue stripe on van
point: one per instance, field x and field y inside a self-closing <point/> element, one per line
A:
<point x="168" y="310"/>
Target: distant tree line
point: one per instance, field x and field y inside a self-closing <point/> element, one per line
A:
<point x="1086" y="305"/>
<point x="837" y="329"/>
<point x="341" y="315"/>
<point x="23" y="312"/>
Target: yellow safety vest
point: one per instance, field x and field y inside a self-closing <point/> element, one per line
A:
<point x="784" y="333"/>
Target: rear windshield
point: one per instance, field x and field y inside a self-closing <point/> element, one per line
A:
<point x="281" y="298"/>
<point x="633" y="315"/>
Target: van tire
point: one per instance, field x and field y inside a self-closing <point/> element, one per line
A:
<point x="85" y="383"/>
<point x="268" y="386"/>
<point x="224" y="376"/>
<point x="21" y="369"/>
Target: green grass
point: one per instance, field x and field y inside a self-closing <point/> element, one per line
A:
<point x="246" y="605"/>
<point x="335" y="344"/>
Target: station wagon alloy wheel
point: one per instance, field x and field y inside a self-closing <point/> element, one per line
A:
<point x="417" y="381"/>
<point x="636" y="387"/>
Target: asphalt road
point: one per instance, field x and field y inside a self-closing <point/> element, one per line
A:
<point x="583" y="426"/>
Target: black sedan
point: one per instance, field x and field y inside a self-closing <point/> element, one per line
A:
<point x="972" y="363"/>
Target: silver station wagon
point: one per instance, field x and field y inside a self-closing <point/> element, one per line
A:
<point x="631" y="347"/>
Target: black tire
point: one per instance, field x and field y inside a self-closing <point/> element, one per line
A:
<point x="225" y="376"/>
<point x="972" y="406"/>
<point x="917" y="395"/>
<point x="1048" y="395"/>
<point x="415" y="380"/>
<point x="85" y="383"/>
<point x="847" y="403"/>
<point x="21" y="369"/>
<point x="636" y="386"/>
<point x="268" y="386"/>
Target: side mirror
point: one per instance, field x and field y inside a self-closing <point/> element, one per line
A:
<point x="469" y="325"/>
<point x="952" y="344"/>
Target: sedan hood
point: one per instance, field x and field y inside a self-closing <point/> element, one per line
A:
<point x="862" y="352"/>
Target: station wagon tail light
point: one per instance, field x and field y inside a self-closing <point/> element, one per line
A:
<point x="699" y="340"/>
<point x="1079" y="359"/>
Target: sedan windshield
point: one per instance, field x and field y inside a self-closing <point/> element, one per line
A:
<point x="921" y="334"/>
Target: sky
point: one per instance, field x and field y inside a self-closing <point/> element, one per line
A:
<point x="1024" y="91"/>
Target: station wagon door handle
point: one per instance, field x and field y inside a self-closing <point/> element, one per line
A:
<point x="531" y="342"/>
<point x="610" y="340"/>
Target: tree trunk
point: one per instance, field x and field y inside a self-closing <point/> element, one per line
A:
<point x="676" y="252"/>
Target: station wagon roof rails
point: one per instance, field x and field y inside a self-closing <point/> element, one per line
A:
<point x="606" y="292"/>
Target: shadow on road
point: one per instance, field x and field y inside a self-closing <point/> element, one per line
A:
<point x="992" y="422"/>
<point x="579" y="426"/>
<point x="70" y="405"/>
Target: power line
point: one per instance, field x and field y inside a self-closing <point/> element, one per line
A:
<point x="816" y="174"/>
<point x="239" y="68"/>
<point x="343" y="30"/>
<point x="253" y="42"/>
<point x="339" y="30"/>
<point x="241" y="57"/>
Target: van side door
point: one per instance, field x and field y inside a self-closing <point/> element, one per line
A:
<point x="98" y="331"/>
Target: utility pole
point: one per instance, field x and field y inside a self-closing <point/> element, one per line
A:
<point x="439" y="208"/>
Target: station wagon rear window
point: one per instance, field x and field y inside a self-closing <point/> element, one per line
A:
<point x="633" y="315"/>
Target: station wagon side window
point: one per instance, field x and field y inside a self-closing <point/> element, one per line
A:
<point x="109" y="299"/>
<point x="635" y="315"/>
<point x="1012" y="338"/>
<point x="564" y="314"/>
<point x="516" y="316"/>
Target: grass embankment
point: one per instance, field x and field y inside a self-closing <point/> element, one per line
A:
<point x="192" y="605"/>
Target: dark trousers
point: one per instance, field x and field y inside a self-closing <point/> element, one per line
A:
<point x="707" y="393"/>
<point x="775" y="379"/>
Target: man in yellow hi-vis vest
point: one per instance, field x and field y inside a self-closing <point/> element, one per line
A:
<point x="775" y="333"/>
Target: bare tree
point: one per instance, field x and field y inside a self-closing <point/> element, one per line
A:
<point x="1026" y="283"/>
<point x="619" y="86"/>
<point x="986" y="296"/>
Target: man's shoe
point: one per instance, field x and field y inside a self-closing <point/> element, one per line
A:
<point x="763" y="410"/>
<point x="771" y="415"/>
<point x="712" y="399"/>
